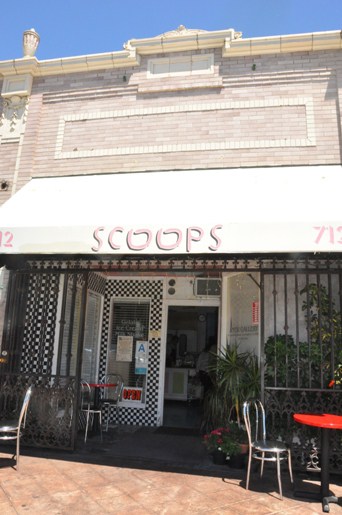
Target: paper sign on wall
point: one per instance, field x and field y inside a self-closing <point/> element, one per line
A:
<point x="124" y="350"/>
<point x="141" y="357"/>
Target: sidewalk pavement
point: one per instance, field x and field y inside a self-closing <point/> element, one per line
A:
<point x="51" y="485"/>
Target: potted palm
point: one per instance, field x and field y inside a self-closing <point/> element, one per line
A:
<point x="236" y="377"/>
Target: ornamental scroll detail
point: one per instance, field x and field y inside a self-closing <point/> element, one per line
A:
<point x="13" y="114"/>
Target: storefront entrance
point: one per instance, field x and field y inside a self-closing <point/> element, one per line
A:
<point x="190" y="330"/>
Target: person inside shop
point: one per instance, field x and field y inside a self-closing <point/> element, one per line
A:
<point x="203" y="366"/>
<point x="171" y="350"/>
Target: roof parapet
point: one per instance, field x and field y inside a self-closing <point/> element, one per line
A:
<point x="182" y="40"/>
<point x="179" y="40"/>
<point x="331" y="40"/>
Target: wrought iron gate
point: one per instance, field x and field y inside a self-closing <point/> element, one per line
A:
<point x="42" y="344"/>
<point x="302" y="354"/>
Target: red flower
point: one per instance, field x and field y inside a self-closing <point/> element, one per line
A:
<point x="331" y="384"/>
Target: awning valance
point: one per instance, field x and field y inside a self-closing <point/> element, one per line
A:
<point x="232" y="211"/>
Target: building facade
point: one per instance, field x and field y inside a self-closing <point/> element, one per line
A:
<point x="181" y="191"/>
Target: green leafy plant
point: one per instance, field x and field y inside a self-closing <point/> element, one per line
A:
<point x="236" y="377"/>
<point x="322" y="318"/>
<point x="324" y="325"/>
<point x="307" y="364"/>
<point x="280" y="363"/>
<point x="222" y="439"/>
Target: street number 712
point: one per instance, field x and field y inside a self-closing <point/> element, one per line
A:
<point x="6" y="239"/>
<point x="333" y="234"/>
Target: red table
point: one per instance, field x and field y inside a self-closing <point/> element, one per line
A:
<point x="324" y="422"/>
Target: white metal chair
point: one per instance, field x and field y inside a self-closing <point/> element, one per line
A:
<point x="88" y="408"/>
<point x="259" y="447"/>
<point x="12" y="429"/>
<point x="111" y="395"/>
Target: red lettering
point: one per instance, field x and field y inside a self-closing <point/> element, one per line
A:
<point x="97" y="238"/>
<point x="191" y="237"/>
<point x="138" y="232"/>
<point x="215" y="237"/>
<point x="9" y="237"/>
<point x="110" y="237"/>
<point x="169" y="231"/>
<point x="339" y="229"/>
<point x="131" y="394"/>
<point x="164" y="239"/>
<point x="320" y="234"/>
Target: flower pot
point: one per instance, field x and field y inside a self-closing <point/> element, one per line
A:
<point x="219" y="457"/>
<point x="237" y="461"/>
<point x="244" y="448"/>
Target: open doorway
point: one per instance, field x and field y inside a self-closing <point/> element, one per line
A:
<point x="190" y="329"/>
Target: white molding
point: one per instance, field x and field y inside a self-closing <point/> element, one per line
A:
<point x="231" y="43"/>
<point x="17" y="85"/>
<point x="310" y="42"/>
<point x="185" y="59"/>
<point x="225" y="144"/>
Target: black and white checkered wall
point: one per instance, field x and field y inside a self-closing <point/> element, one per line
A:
<point x="151" y="289"/>
<point x="40" y="324"/>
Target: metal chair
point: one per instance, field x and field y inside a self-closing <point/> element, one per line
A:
<point x="111" y="395"/>
<point x="88" y="408"/>
<point x="12" y="429"/>
<point x="259" y="447"/>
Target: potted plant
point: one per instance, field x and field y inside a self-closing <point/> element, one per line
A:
<point x="239" y="434"/>
<point x="221" y="443"/>
<point x="237" y="459"/>
<point x="235" y="376"/>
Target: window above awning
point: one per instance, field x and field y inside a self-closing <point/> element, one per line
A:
<point x="230" y="211"/>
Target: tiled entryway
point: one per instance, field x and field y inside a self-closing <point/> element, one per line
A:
<point x="141" y="472"/>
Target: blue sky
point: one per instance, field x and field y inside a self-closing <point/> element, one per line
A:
<point x="78" y="27"/>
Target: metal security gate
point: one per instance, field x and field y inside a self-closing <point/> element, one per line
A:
<point x="302" y="354"/>
<point x="300" y="327"/>
<point x="41" y="345"/>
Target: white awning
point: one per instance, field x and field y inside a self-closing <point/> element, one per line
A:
<point x="230" y="211"/>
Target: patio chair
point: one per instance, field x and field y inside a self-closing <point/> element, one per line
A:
<point x="13" y="429"/>
<point x="88" y="408"/>
<point x="111" y="394"/>
<point x="260" y="448"/>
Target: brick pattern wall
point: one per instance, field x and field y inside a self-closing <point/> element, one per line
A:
<point x="274" y="110"/>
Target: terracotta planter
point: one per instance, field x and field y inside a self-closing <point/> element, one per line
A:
<point x="244" y="448"/>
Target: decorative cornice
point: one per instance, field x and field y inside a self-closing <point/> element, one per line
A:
<point x="179" y="40"/>
<point x="311" y="42"/>
<point x="182" y="40"/>
<point x="122" y="59"/>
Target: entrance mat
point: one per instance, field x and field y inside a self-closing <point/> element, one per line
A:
<point x="182" y="431"/>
